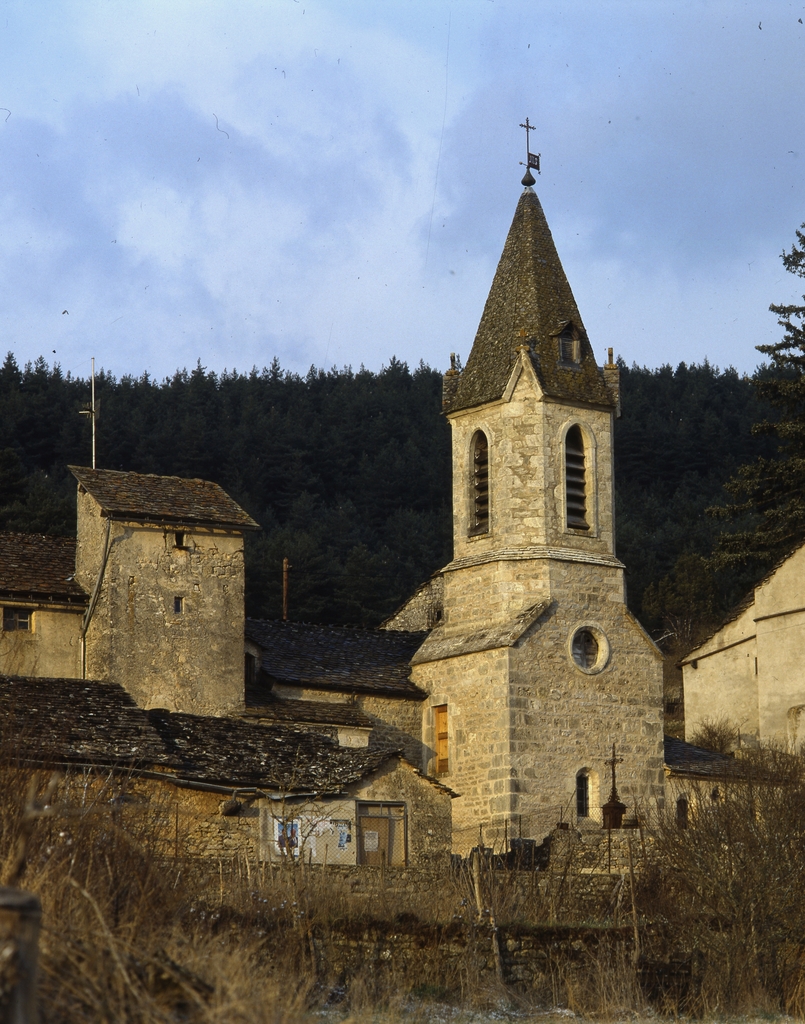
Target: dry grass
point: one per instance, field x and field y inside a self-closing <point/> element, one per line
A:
<point x="136" y="931"/>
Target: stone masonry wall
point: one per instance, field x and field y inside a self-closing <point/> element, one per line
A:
<point x="209" y="833"/>
<point x="524" y="720"/>
<point x="188" y="660"/>
<point x="50" y="648"/>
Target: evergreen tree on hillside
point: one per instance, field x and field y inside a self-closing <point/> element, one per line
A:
<point x="769" y="493"/>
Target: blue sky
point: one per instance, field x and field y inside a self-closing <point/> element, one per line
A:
<point x="331" y="182"/>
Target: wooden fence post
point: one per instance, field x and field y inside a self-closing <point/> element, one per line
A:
<point x="20" y="914"/>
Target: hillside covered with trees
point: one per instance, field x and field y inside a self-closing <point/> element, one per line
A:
<point x="349" y="473"/>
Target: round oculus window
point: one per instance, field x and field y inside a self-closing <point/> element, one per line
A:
<point x="585" y="649"/>
<point x="589" y="649"/>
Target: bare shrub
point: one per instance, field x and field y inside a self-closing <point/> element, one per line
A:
<point x="725" y="892"/>
<point x="719" y="734"/>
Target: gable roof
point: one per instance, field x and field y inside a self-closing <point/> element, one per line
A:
<point x="530" y="292"/>
<point x="162" y="499"/>
<point x="35" y="565"/>
<point x="237" y="753"/>
<point x="438" y="646"/>
<point x="683" y="758"/>
<point x="86" y="722"/>
<point x="267" y="706"/>
<point x="337" y="657"/>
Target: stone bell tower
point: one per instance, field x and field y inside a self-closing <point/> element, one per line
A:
<point x="537" y="667"/>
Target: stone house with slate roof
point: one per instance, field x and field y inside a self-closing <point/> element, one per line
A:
<point x="123" y="653"/>
<point x="231" y="786"/>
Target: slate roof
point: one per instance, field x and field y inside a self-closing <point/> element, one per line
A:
<point x="74" y="721"/>
<point x="530" y="292"/>
<point x="337" y="657"/>
<point x="686" y="759"/>
<point x="237" y="753"/>
<point x="162" y="499"/>
<point x="438" y="646"/>
<point x="267" y="706"/>
<point x="35" y="565"/>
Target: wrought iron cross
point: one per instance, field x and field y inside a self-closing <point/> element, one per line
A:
<point x="613" y="796"/>
<point x="532" y="159"/>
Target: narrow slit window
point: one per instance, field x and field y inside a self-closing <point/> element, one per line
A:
<point x="582" y="795"/>
<point x="440" y="735"/>
<point x="178" y="605"/>
<point x="178" y="539"/>
<point x="575" y="480"/>
<point x="480" y="484"/>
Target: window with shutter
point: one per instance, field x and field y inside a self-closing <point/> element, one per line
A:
<point x="575" y="480"/>
<point x="440" y="734"/>
<point x="479" y="522"/>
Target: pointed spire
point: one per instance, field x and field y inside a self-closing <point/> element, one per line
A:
<point x="530" y="299"/>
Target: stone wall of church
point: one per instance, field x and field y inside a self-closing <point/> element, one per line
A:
<point x="565" y="718"/>
<point x="49" y="648"/>
<point x="169" y="621"/>
<point x="479" y="729"/>
<point x="526" y="467"/>
<point x="523" y="721"/>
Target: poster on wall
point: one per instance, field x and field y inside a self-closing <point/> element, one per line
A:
<point x="288" y="838"/>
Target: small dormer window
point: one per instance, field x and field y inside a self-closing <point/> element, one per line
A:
<point x="569" y="346"/>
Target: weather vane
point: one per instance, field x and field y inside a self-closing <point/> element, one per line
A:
<point x="532" y="159"/>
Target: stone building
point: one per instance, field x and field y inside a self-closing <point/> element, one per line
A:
<point x="507" y="677"/>
<point x="750" y="673"/>
<point x="42" y="606"/>
<point x="162" y="560"/>
<point x="536" y="667"/>
<point x="229" y="787"/>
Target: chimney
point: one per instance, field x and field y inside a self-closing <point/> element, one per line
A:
<point x="450" y="384"/>
<point x="612" y="376"/>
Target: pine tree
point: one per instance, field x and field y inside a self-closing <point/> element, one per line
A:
<point x="769" y="505"/>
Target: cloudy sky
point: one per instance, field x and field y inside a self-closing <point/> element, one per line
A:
<point x="331" y="181"/>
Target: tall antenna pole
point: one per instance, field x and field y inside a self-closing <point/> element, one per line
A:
<point x="92" y="412"/>
<point x="286" y="565"/>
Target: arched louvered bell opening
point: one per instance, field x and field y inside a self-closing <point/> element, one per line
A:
<point x="575" y="480"/>
<point x="480" y="484"/>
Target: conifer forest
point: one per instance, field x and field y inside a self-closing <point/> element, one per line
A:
<point x="348" y="473"/>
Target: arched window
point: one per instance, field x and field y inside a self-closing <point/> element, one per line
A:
<point x="583" y="794"/>
<point x="682" y="812"/>
<point x="479" y="521"/>
<point x="575" y="480"/>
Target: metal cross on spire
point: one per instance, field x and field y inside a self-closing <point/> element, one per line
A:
<point x="532" y="159"/>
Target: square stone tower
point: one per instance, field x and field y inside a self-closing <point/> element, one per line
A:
<point x="162" y="560"/>
<point x="537" y="667"/>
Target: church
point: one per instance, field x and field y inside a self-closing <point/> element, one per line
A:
<point x="515" y="681"/>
